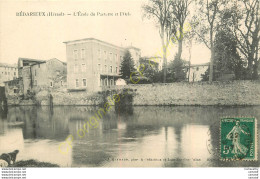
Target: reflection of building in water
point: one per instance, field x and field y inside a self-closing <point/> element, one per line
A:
<point x="40" y="122"/>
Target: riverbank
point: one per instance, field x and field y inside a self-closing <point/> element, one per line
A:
<point x="32" y="163"/>
<point x="230" y="93"/>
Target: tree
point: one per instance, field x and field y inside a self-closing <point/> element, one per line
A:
<point x="149" y="72"/>
<point x="209" y="15"/>
<point x="177" y="70"/>
<point x="160" y="10"/>
<point x="227" y="59"/>
<point x="127" y="66"/>
<point x="245" y="28"/>
<point x="180" y="13"/>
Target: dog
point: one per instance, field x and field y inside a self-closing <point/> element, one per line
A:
<point x="10" y="158"/>
<point x="3" y="163"/>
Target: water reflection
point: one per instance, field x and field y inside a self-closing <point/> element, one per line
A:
<point x="151" y="136"/>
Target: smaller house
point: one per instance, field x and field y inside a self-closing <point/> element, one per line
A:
<point x="51" y="74"/>
<point x="36" y="75"/>
<point x="7" y="72"/>
<point x="195" y="71"/>
<point x="155" y="61"/>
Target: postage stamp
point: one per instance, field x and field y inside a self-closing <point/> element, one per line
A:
<point x="238" y="138"/>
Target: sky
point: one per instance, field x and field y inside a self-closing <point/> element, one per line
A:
<point x="42" y="37"/>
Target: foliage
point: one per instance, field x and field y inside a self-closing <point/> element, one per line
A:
<point x="227" y="59"/>
<point x="244" y="19"/>
<point x="161" y="12"/>
<point x="127" y="66"/>
<point x="149" y="71"/>
<point x="177" y="70"/>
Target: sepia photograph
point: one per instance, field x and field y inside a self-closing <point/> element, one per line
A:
<point x="143" y="83"/>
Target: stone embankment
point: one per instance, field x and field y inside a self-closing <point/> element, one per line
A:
<point x="199" y="93"/>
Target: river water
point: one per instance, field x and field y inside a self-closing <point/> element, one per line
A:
<point x="149" y="136"/>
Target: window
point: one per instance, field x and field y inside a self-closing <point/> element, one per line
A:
<point x="15" y="90"/>
<point x="61" y="83"/>
<point x="197" y="69"/>
<point x="77" y="83"/>
<point x="83" y="67"/>
<point x="111" y="82"/>
<point x="105" y="69"/>
<point x="110" y="56"/>
<point x="83" y="53"/>
<point x="116" y="57"/>
<point x="39" y="66"/>
<point x="51" y="84"/>
<point x="35" y="82"/>
<point x="101" y="82"/>
<point x="99" y="54"/>
<point x="106" y="80"/>
<point x="99" y="68"/>
<point x="111" y="69"/>
<point x="6" y="73"/>
<point x="116" y="69"/>
<point x="105" y="54"/>
<point x="14" y="73"/>
<point x="75" y="54"/>
<point x="84" y="82"/>
<point x="75" y="68"/>
<point x="34" y="72"/>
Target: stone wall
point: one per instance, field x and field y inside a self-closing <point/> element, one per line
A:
<point x="199" y="93"/>
<point x="62" y="97"/>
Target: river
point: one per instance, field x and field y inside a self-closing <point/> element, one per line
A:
<point x="149" y="136"/>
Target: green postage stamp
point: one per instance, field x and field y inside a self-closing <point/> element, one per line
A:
<point x="238" y="138"/>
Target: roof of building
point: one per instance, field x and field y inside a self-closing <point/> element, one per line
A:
<point x="8" y="65"/>
<point x="129" y="47"/>
<point x="148" y="57"/>
<point x="89" y="39"/>
<point x="200" y="64"/>
<point x="40" y="61"/>
<point x="32" y="60"/>
<point x="58" y="60"/>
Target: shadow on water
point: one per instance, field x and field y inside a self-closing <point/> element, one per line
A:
<point x="148" y="132"/>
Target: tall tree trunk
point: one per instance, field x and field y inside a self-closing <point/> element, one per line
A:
<point x="180" y="39"/>
<point x="164" y="64"/>
<point x="164" y="55"/>
<point x="179" y="49"/>
<point x="212" y="50"/>
<point x="250" y="67"/>
<point x="211" y="66"/>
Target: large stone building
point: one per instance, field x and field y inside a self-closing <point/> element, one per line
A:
<point x="93" y="64"/>
<point x="35" y="75"/>
<point x="7" y="72"/>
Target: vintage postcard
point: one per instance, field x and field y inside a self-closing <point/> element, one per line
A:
<point x="144" y="83"/>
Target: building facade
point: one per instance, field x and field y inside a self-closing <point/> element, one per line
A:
<point x="7" y="72"/>
<point x="92" y="64"/>
<point x="195" y="71"/>
<point x="35" y="75"/>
